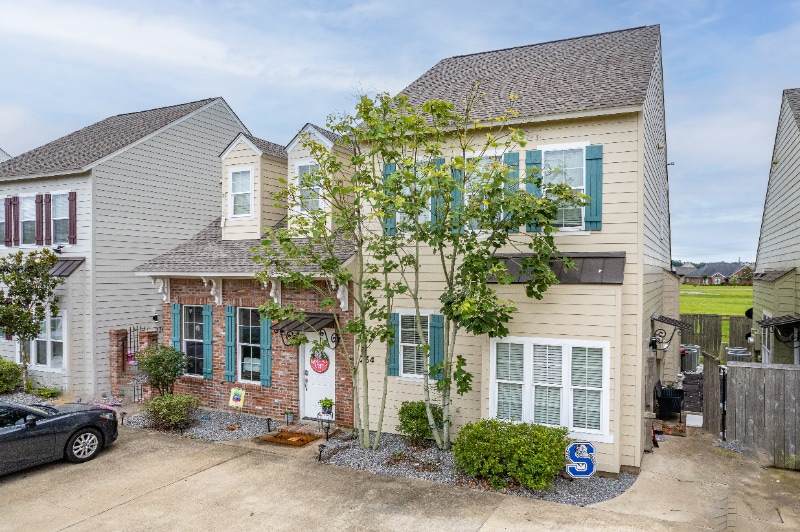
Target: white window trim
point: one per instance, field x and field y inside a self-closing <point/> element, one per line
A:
<point x="600" y="436"/>
<point x="231" y="171"/>
<point x="21" y="221"/>
<point x="65" y="347"/>
<point x="570" y="146"/>
<point x="411" y="377"/>
<point x="52" y="219"/>
<point x="298" y="210"/>
<point x="239" y="348"/>
<point x="766" y="340"/>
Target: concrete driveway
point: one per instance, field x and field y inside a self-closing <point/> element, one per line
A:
<point x="151" y="481"/>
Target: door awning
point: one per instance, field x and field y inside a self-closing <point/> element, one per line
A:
<point x="789" y="319"/>
<point x="682" y="325"/>
<point x="314" y="322"/>
<point x="65" y="267"/>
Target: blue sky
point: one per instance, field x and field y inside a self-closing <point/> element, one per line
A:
<point x="279" y="65"/>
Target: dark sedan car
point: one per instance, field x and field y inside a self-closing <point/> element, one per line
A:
<point x="35" y="434"/>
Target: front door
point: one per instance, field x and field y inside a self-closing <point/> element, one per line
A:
<point x="318" y="376"/>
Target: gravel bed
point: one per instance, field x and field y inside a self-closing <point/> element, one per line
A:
<point x="733" y="445"/>
<point x="22" y="398"/>
<point x="396" y="458"/>
<point x="215" y="425"/>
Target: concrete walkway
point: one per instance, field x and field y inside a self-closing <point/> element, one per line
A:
<point x="149" y="481"/>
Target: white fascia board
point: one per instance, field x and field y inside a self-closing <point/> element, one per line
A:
<point x="239" y="275"/>
<point x="570" y="115"/>
<point x="308" y="128"/>
<point x="232" y="145"/>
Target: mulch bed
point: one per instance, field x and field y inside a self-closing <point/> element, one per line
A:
<point x="290" y="438"/>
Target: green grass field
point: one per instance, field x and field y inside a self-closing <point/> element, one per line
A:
<point x="724" y="300"/>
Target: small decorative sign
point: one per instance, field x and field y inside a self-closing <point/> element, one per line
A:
<point x="319" y="361"/>
<point x="237" y="398"/>
<point x="580" y="458"/>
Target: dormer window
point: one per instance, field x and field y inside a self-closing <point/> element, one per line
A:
<point x="241" y="193"/>
<point x="309" y="194"/>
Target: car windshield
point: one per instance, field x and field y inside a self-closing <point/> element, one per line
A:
<point x="44" y="410"/>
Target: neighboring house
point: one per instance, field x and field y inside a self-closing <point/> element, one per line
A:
<point x="580" y="357"/>
<point x="4" y="156"/>
<point x="715" y="273"/>
<point x="211" y="296"/>
<point x="107" y="198"/>
<point x="776" y="281"/>
<point x="683" y="271"/>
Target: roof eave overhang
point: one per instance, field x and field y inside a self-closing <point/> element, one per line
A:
<point x="572" y="115"/>
<point x="200" y="275"/>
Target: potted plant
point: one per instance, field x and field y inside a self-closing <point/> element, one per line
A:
<point x="327" y="405"/>
<point x="289" y="415"/>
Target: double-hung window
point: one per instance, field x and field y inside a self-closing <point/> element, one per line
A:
<point x="47" y="349"/>
<point x="193" y="338"/>
<point x="565" y="165"/>
<point x="27" y="220"/>
<point x="59" y="209"/>
<point x="423" y="215"/>
<point x="241" y="194"/>
<point x="249" y="344"/>
<point x="475" y="187"/>
<point x="552" y="382"/>
<point x="309" y="194"/>
<point x="413" y="359"/>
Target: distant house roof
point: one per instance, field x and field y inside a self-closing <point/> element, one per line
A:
<point x="684" y="271"/>
<point x="723" y="269"/>
<point x="79" y="150"/>
<point x="4" y="156"/>
<point x="600" y="71"/>
<point x="793" y="97"/>
<point x="207" y="253"/>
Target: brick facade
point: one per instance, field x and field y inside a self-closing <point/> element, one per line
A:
<point x="284" y="393"/>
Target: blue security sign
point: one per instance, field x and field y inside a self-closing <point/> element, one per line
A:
<point x="580" y="459"/>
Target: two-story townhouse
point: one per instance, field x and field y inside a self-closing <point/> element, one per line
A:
<point x="582" y="357"/>
<point x="211" y="295"/>
<point x="776" y="280"/>
<point x="106" y="198"/>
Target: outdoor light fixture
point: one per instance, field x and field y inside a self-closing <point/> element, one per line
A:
<point x="659" y="335"/>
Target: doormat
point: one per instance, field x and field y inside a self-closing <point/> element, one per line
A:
<point x="673" y="429"/>
<point x="290" y="438"/>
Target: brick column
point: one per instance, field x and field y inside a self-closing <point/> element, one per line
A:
<point x="118" y="353"/>
<point x="147" y="338"/>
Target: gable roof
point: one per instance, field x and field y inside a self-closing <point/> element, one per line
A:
<point x="206" y="253"/>
<point x="257" y="144"/>
<point x="793" y="97"/>
<point x="326" y="135"/>
<point x="607" y="70"/>
<point x="79" y="151"/>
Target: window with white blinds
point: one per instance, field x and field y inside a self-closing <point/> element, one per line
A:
<point x="310" y="195"/>
<point x="551" y="382"/>
<point x="412" y="355"/>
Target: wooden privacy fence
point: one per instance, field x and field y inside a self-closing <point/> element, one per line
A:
<point x="706" y="331"/>
<point x="712" y="400"/>
<point x="763" y="410"/>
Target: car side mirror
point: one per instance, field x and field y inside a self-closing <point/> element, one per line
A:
<point x="30" y="421"/>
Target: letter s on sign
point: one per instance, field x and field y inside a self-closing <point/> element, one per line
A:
<point x="580" y="454"/>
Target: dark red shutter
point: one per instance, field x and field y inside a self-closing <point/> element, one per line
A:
<point x="15" y="221"/>
<point x="73" y="224"/>
<point x="39" y="220"/>
<point x="9" y="222"/>
<point x="48" y="220"/>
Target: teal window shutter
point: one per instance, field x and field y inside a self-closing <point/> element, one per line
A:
<point x="533" y="158"/>
<point x="437" y="341"/>
<point x="512" y="186"/>
<point x="230" y="344"/>
<point x="266" y="351"/>
<point x="208" y="335"/>
<point x="593" y="215"/>
<point x="390" y="222"/>
<point x="176" y="326"/>
<point x="394" y="349"/>
<point x="436" y="202"/>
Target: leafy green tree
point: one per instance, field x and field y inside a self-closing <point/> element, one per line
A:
<point x="28" y="294"/>
<point x="164" y="365"/>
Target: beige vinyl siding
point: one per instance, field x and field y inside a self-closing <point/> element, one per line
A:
<point x="779" y="298"/>
<point x="779" y="242"/>
<point x="148" y="200"/>
<point x="242" y="157"/>
<point x="273" y="170"/>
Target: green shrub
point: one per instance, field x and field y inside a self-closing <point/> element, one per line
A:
<point x="46" y="392"/>
<point x="498" y="450"/>
<point x="163" y="364"/>
<point x="10" y="376"/>
<point x="414" y="421"/>
<point x="166" y="412"/>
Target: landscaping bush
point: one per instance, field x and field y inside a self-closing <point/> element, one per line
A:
<point x="498" y="450"/>
<point x="10" y="376"/>
<point x="47" y="392"/>
<point x="414" y="421"/>
<point x="167" y="412"/>
<point x="163" y="364"/>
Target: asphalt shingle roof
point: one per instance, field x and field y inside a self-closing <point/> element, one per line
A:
<point x="586" y="73"/>
<point x="793" y="97"/>
<point x="85" y="146"/>
<point x="270" y="148"/>
<point x="206" y="252"/>
<point x="726" y="269"/>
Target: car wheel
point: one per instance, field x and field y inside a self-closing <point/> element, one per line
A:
<point x="83" y="445"/>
